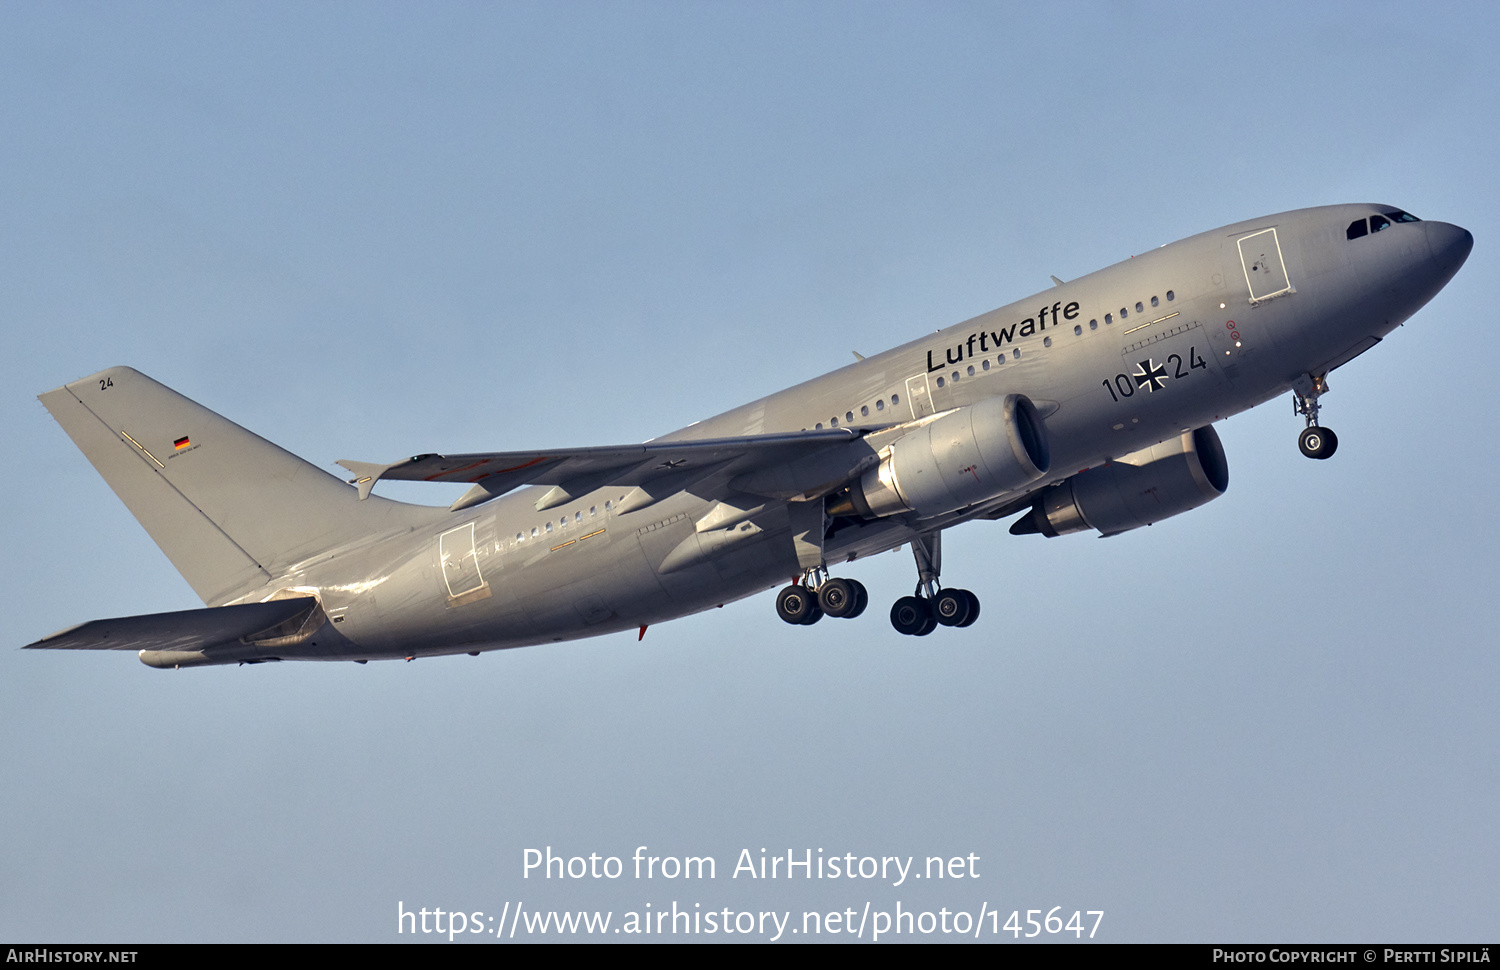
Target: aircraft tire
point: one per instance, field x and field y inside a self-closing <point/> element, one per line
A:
<point x="837" y="597"/>
<point x="974" y="608"/>
<point x="795" y="603"/>
<point x="952" y="606"/>
<point x="910" y="615"/>
<point x="862" y="598"/>
<point x="1317" y="442"/>
<point x="1333" y="443"/>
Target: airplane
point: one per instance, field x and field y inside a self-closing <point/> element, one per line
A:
<point x="1086" y="407"/>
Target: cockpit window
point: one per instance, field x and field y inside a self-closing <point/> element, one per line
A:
<point x="1396" y="215"/>
<point x="1378" y="223"/>
<point x="1358" y="228"/>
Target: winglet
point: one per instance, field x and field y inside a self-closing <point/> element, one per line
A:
<point x="1056" y="281"/>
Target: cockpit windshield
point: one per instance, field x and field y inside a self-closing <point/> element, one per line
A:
<point x="1363" y="227"/>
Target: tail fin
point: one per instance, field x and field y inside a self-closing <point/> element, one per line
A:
<point x="231" y="510"/>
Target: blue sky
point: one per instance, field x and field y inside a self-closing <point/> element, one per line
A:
<point x="378" y="230"/>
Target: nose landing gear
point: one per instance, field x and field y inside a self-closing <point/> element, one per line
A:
<point x="1315" y="441"/>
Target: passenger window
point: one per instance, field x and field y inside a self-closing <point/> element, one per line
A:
<point x="971" y="370"/>
<point x="1170" y="296"/>
<point x="864" y="411"/>
<point x="1124" y="313"/>
<point x="1356" y="229"/>
<point x="577" y="516"/>
<point x="1016" y="353"/>
<point x="849" y="417"/>
<point x="986" y="363"/>
<point x="1093" y="324"/>
<point x="1154" y="302"/>
<point x="533" y="532"/>
<point x="955" y="377"/>
<point x="1139" y="308"/>
<point x="818" y="426"/>
<point x="895" y="399"/>
<point x="880" y="404"/>
<point x="549" y="526"/>
<point x="593" y="510"/>
<point x="1077" y="330"/>
<point x="1046" y="341"/>
<point x="1378" y="223"/>
<point x="940" y="382"/>
<point x="1109" y="319"/>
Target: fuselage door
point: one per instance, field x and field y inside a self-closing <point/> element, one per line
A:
<point x="919" y="396"/>
<point x="1265" y="271"/>
<point x="459" y="561"/>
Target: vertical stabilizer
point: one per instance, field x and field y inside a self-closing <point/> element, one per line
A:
<point x="230" y="509"/>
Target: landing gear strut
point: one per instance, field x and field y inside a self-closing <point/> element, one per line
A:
<point x="919" y="614"/>
<point x="1315" y="441"/>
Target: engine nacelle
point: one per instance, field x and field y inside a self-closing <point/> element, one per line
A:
<point x="973" y="454"/>
<point x="1141" y="488"/>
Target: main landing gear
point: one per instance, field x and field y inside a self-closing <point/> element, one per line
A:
<point x="1315" y="441"/>
<point x="806" y="602"/>
<point x="931" y="605"/>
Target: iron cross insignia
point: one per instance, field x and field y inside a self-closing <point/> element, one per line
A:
<point x="1153" y="376"/>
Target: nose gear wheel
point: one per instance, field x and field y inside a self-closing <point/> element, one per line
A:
<point x="1315" y="441"/>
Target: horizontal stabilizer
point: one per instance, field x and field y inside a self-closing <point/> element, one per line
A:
<point x="187" y="630"/>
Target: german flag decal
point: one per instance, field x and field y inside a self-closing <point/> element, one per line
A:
<point x="182" y="443"/>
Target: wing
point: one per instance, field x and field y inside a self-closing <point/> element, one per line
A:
<point x="784" y="466"/>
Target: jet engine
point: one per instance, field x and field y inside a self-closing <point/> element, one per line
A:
<point x="972" y="454"/>
<point x="1143" y="487"/>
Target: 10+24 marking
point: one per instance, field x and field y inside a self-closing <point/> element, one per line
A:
<point x="1153" y="376"/>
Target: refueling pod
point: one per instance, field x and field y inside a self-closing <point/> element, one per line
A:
<point x="1143" y="487"/>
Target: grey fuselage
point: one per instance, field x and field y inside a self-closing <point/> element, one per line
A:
<point x="1213" y="324"/>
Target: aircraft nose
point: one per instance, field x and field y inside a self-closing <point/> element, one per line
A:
<point x="1450" y="246"/>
